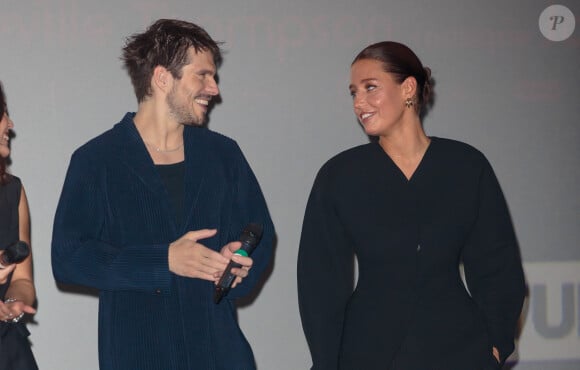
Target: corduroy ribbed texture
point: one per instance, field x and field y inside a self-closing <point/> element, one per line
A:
<point x="112" y="229"/>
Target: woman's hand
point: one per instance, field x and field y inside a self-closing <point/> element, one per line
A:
<point x="4" y="272"/>
<point x="12" y="310"/>
<point x="496" y="354"/>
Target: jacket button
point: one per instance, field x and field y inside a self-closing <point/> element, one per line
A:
<point x="157" y="291"/>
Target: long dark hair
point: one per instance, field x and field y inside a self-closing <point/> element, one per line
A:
<point x="3" y="110"/>
<point x="2" y="101"/>
<point x="402" y="62"/>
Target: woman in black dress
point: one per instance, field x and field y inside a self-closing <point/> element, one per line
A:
<point x="412" y="208"/>
<point x="17" y="294"/>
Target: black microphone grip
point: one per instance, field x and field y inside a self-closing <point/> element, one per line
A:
<point x="250" y="238"/>
<point x="14" y="253"/>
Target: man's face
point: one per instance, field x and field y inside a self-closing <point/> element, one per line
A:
<point x="190" y="95"/>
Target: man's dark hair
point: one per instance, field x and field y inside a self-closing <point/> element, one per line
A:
<point x="165" y="43"/>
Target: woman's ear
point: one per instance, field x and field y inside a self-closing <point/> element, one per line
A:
<point x="409" y="87"/>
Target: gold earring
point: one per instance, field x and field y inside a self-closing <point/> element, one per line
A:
<point x="409" y="102"/>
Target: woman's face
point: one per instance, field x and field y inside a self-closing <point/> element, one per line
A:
<point x="5" y="126"/>
<point x="378" y="100"/>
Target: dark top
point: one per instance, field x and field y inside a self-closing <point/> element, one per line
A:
<point x="112" y="230"/>
<point x="410" y="309"/>
<point x="172" y="177"/>
<point x="15" y="352"/>
<point x="9" y="221"/>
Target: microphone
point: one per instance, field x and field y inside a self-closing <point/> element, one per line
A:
<point x="250" y="238"/>
<point x="14" y="253"/>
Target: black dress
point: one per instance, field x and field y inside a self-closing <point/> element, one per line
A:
<point x="15" y="353"/>
<point x="410" y="309"/>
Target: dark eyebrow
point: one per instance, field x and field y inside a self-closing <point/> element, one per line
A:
<point x="206" y="71"/>
<point x="350" y="87"/>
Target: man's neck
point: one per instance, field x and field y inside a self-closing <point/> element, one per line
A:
<point x="157" y="128"/>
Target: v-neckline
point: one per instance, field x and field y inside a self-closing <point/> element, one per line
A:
<point x="419" y="165"/>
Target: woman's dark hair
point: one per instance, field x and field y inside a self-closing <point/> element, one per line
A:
<point x="3" y="110"/>
<point x="402" y="62"/>
<point x="165" y="43"/>
<point x="3" y="107"/>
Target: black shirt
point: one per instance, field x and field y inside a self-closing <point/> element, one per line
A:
<point x="172" y="177"/>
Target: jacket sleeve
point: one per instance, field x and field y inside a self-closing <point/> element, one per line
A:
<point x="325" y="276"/>
<point x="493" y="267"/>
<point x="81" y="251"/>
<point x="249" y="206"/>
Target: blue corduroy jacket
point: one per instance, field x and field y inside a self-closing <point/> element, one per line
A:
<point x="112" y="230"/>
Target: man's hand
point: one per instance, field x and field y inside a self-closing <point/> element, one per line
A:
<point x="228" y="251"/>
<point x="189" y="258"/>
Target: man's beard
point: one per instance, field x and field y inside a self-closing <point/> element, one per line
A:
<point x="182" y="113"/>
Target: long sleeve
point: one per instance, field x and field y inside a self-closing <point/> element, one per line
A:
<point x="81" y="251"/>
<point x="250" y="206"/>
<point x="325" y="276"/>
<point x="493" y="265"/>
<point x="112" y="230"/>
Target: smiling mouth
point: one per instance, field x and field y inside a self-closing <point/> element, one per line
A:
<point x="203" y="100"/>
<point x="365" y="116"/>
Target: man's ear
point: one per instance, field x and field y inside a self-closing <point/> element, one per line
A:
<point x="161" y="79"/>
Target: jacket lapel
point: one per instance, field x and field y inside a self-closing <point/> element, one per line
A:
<point x="134" y="156"/>
<point x="195" y="172"/>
